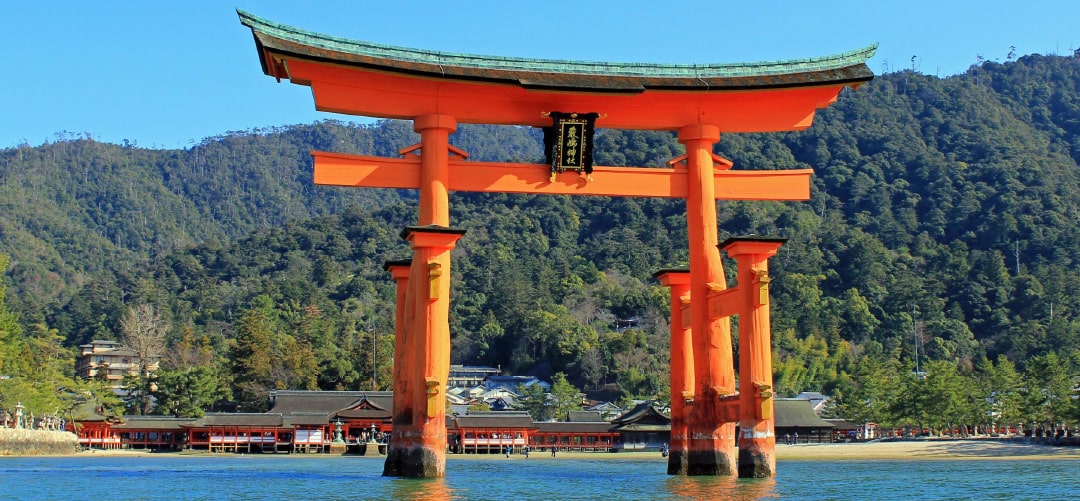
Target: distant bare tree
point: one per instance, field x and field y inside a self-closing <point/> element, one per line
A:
<point x="592" y="366"/>
<point x="143" y="330"/>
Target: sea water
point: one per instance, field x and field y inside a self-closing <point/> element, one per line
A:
<point x="173" y="476"/>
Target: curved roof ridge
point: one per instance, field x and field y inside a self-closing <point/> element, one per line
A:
<point x="367" y="49"/>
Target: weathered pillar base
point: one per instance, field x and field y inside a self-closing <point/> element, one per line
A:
<point x="678" y="463"/>
<point x="392" y="466"/>
<point x="711" y="434"/>
<point x="717" y="463"/>
<point x="414" y="462"/>
<point x="756" y="463"/>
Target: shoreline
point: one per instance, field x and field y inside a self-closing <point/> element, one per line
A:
<point x="927" y="449"/>
<point x="917" y="449"/>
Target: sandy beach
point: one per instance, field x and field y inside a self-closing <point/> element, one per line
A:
<point x="923" y="449"/>
<point x="926" y="449"/>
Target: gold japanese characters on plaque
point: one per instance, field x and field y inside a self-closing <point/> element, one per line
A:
<point x="568" y="143"/>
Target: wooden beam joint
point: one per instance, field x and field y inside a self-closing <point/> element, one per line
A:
<point x="415" y="150"/>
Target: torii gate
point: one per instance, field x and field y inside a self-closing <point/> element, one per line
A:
<point x="438" y="90"/>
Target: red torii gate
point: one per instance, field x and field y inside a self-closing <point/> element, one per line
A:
<point x="437" y="90"/>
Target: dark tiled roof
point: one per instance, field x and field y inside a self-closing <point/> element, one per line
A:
<point x="87" y="412"/>
<point x="292" y="401"/>
<point x="152" y="423"/>
<point x="237" y="419"/>
<point x="585" y="417"/>
<point x="644" y="427"/>
<point x="113" y="352"/>
<point x="364" y="414"/>
<point x="843" y="424"/>
<point x="573" y="427"/>
<point x="642" y="414"/>
<point x="797" y="413"/>
<point x="492" y="420"/>
<point x="473" y="368"/>
<point x="849" y="67"/>
<point x="307" y="419"/>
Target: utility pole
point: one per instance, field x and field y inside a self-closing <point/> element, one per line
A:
<point x="1016" y="253"/>
<point x="915" y="333"/>
<point x="374" y="369"/>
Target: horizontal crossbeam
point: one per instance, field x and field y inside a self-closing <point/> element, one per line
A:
<point x="720" y="303"/>
<point x="336" y="169"/>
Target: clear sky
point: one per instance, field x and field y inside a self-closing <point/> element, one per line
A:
<point x="168" y="73"/>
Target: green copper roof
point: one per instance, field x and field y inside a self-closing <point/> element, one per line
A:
<point x="846" y="67"/>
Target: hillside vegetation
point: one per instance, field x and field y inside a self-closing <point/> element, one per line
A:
<point x="943" y="219"/>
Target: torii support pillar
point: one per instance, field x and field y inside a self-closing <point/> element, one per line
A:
<point x="682" y="366"/>
<point x="419" y="449"/>
<point x="711" y="427"/>
<point x="402" y="420"/>
<point x="757" y="440"/>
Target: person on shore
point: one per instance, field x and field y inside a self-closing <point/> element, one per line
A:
<point x="526" y="451"/>
<point x="553" y="449"/>
<point x="796" y="438"/>
<point x="508" y="451"/>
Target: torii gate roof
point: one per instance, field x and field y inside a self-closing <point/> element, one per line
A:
<point x="363" y="78"/>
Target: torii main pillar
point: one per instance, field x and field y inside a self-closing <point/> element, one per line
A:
<point x="711" y="441"/>
<point x="418" y="445"/>
<point x="418" y="442"/>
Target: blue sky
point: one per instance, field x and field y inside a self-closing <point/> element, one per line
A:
<point x="168" y="73"/>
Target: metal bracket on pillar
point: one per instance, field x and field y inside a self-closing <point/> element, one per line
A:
<point x="432" y="396"/>
<point x="764" y="398"/>
<point x="434" y="273"/>
<point x="761" y="283"/>
<point x="452" y="149"/>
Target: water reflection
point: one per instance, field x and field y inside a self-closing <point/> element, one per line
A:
<point x="422" y="489"/>
<point x="712" y="488"/>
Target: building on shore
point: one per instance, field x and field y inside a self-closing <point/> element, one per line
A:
<point x="489" y="432"/>
<point x="643" y="428"/>
<point x="469" y="376"/>
<point x="354" y="421"/>
<point x="158" y="433"/>
<point x="109" y="360"/>
<point x="795" y="418"/>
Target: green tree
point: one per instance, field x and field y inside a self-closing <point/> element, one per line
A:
<point x="872" y="388"/>
<point x="1002" y="388"/>
<point x="252" y="356"/>
<point x="564" y="396"/>
<point x="536" y="402"/>
<point x="12" y="347"/>
<point x="1050" y="390"/>
<point x="947" y="398"/>
<point x="187" y="392"/>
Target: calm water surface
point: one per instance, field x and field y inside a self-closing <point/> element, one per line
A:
<point x="311" y="478"/>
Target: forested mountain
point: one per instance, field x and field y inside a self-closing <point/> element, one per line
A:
<point x="943" y="217"/>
